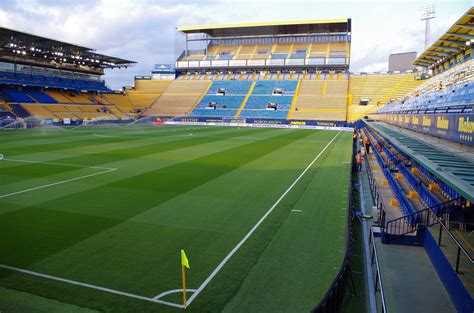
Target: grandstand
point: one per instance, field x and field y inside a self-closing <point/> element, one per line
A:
<point x="251" y="205"/>
<point x="42" y="78"/>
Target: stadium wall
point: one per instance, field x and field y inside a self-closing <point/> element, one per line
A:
<point x="452" y="126"/>
<point x="457" y="292"/>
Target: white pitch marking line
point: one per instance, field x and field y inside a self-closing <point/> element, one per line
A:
<point x="296" y="210"/>
<point x="57" y="183"/>
<point x="78" y="283"/>
<point x="105" y="136"/>
<point x="247" y="236"/>
<point x="161" y="295"/>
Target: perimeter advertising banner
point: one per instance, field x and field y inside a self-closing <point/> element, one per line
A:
<point x="262" y="122"/>
<point x="456" y="127"/>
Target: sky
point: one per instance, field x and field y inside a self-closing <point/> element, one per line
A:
<point x="144" y="30"/>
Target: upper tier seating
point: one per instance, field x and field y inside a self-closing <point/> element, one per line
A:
<point x="271" y="51"/>
<point x="51" y="82"/>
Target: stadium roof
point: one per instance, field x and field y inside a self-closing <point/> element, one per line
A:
<point x="16" y="45"/>
<point x="271" y="28"/>
<point x="457" y="39"/>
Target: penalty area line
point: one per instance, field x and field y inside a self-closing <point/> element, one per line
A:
<point x="57" y="183"/>
<point x="247" y="236"/>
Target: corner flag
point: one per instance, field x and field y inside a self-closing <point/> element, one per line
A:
<point x="184" y="266"/>
<point x="184" y="259"/>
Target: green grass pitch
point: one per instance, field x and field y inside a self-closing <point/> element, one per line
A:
<point x="104" y="211"/>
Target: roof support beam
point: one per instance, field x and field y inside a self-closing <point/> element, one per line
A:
<point x="471" y="27"/>
<point x="425" y="64"/>
<point x="467" y="36"/>
<point x="431" y="57"/>
<point x="454" y="42"/>
<point x="440" y="53"/>
<point x="456" y="50"/>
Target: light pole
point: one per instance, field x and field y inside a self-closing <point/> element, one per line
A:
<point x="427" y="12"/>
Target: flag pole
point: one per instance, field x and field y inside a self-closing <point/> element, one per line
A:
<point x="183" y="271"/>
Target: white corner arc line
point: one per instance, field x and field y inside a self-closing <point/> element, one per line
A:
<point x="78" y="283"/>
<point x="172" y="291"/>
<point x="57" y="183"/>
<point x="247" y="236"/>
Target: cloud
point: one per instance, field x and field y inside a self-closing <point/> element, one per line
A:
<point x="374" y="67"/>
<point x="144" y="31"/>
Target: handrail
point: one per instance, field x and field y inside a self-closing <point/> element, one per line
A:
<point x="467" y="254"/>
<point x="379" y="276"/>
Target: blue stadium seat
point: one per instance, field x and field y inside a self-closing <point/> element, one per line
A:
<point x="266" y="87"/>
<point x="229" y="102"/>
<point x="260" y="102"/>
<point x="41" y="97"/>
<point x="232" y="87"/>
<point x="51" y="82"/>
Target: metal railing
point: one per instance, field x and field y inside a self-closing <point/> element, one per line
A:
<point x="381" y="306"/>
<point x="400" y="226"/>
<point x="376" y="196"/>
<point x="458" y="246"/>
<point x="424" y="218"/>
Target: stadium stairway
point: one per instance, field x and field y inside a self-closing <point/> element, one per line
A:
<point x="405" y="269"/>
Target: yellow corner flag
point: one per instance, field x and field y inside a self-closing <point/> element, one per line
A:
<point x="184" y="259"/>
<point x="184" y="266"/>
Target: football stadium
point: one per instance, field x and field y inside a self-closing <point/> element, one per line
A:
<point x="257" y="173"/>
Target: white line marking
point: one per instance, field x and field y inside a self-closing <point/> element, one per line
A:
<point x="105" y="170"/>
<point x="172" y="291"/>
<point x="237" y="247"/>
<point x="296" y="210"/>
<point x="105" y="136"/>
<point x="78" y="283"/>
